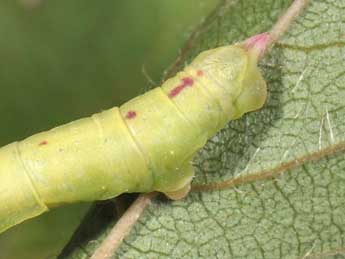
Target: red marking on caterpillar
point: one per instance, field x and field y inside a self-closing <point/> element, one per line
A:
<point x="199" y="73"/>
<point x="186" y="81"/>
<point x="258" y="42"/>
<point x="131" y="114"/>
<point x="44" y="142"/>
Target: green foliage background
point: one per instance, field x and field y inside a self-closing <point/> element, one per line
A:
<point x="62" y="60"/>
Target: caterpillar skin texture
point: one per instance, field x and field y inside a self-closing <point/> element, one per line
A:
<point x="145" y="145"/>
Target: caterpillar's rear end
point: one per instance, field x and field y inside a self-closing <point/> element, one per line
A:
<point x="145" y="145"/>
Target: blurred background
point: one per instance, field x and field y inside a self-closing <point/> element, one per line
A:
<point x="61" y="60"/>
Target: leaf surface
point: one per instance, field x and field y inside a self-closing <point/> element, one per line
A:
<point x="283" y="165"/>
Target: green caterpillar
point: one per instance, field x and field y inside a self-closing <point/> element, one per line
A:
<point x="145" y="145"/>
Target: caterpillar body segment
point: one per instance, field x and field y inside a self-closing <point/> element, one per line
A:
<point x="145" y="145"/>
<point x="18" y="198"/>
<point x="89" y="159"/>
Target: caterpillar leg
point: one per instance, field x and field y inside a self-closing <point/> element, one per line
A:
<point x="179" y="194"/>
<point x="184" y="190"/>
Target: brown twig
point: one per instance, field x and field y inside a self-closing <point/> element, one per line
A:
<point x="123" y="227"/>
<point x="284" y="22"/>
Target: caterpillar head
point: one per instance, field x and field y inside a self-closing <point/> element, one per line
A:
<point x="233" y="77"/>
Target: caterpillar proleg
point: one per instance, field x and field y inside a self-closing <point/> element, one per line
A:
<point x="145" y="145"/>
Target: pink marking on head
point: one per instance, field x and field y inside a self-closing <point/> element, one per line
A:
<point x="131" y="114"/>
<point x="199" y="73"/>
<point x="258" y="42"/>
<point x="186" y="81"/>
<point x="44" y="142"/>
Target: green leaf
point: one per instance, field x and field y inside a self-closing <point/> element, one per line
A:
<point x="283" y="165"/>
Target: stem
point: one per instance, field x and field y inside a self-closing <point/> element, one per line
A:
<point x="284" y="22"/>
<point x="123" y="227"/>
<point x="262" y="42"/>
